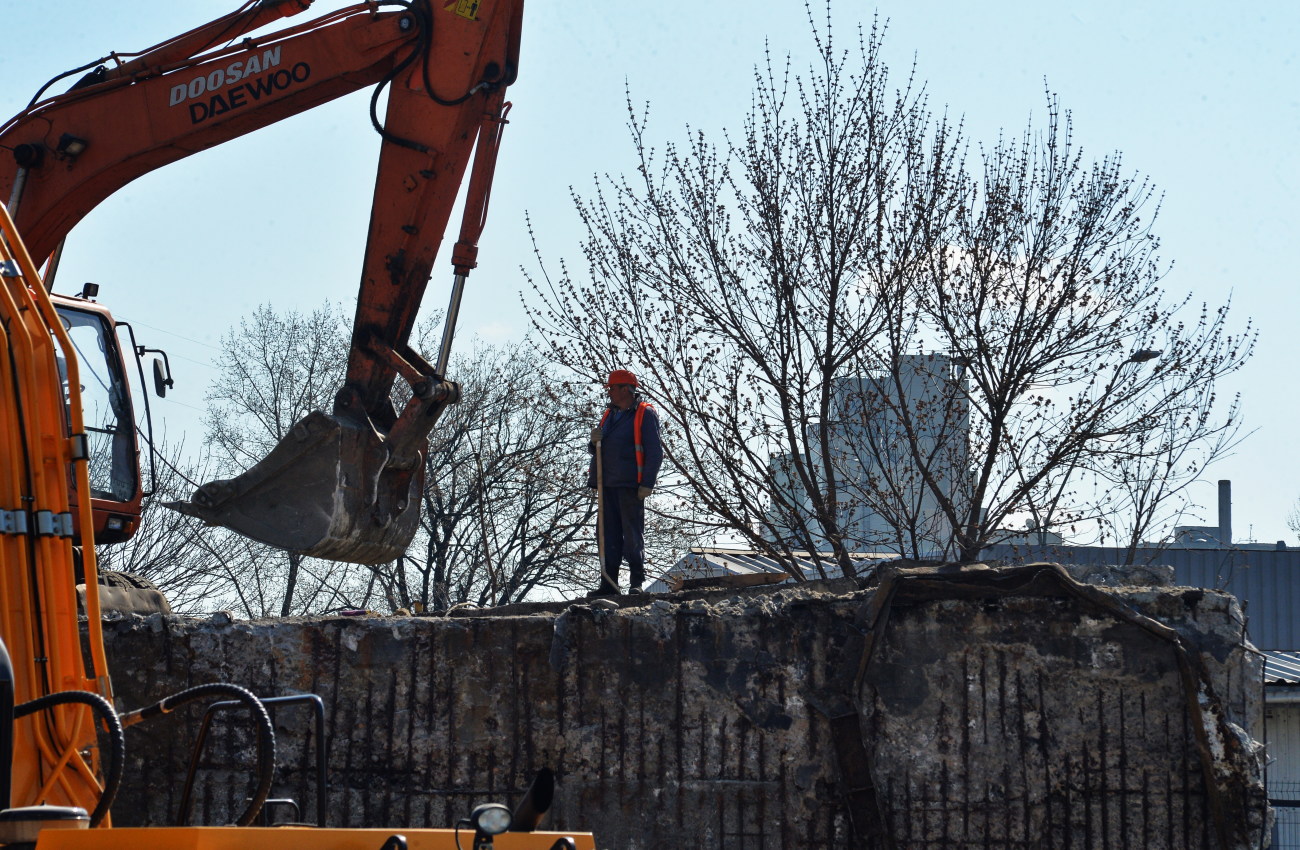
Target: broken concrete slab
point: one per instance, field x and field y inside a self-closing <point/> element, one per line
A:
<point x="999" y="707"/>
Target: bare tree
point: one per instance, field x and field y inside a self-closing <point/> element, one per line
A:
<point x="1148" y="478"/>
<point x="1074" y="360"/>
<point x="171" y="549"/>
<point x="858" y="344"/>
<point x="1293" y="518"/>
<point x="506" y="511"/>
<point x="742" y="280"/>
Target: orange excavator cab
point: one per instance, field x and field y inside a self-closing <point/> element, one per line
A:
<point x="116" y="491"/>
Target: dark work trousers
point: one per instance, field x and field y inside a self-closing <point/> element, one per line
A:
<point x="624" y="531"/>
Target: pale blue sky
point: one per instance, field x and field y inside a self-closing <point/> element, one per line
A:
<point x="1202" y="97"/>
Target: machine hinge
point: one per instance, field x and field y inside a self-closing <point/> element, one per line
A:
<point x="80" y="447"/>
<point x="10" y="269"/>
<point x="50" y="524"/>
<point x="13" y="522"/>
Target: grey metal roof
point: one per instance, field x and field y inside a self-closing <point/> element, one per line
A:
<point x="708" y="562"/>
<point x="1266" y="581"/>
<point x="1282" y="668"/>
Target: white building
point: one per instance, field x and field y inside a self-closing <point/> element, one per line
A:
<point x="888" y="433"/>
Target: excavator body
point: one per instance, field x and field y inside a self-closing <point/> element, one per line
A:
<point x="342" y="484"/>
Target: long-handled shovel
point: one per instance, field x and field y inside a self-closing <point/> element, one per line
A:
<point x="600" y="520"/>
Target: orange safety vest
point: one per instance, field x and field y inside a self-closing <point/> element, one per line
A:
<point x="636" y="435"/>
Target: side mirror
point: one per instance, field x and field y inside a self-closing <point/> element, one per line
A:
<point x="161" y="380"/>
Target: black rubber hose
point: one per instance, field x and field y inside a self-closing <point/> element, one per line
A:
<point x="6" y="725"/>
<point x="422" y="33"/>
<point x="116" y="752"/>
<point x="36" y="97"/>
<point x="425" y="11"/>
<point x="265" y="733"/>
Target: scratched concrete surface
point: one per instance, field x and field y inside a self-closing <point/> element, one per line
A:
<point x="986" y="709"/>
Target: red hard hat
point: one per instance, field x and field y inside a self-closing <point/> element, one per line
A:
<point x="621" y="376"/>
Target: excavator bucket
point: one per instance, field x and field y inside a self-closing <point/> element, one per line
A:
<point x="327" y="490"/>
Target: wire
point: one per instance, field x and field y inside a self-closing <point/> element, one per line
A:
<point x="148" y="441"/>
<point x="135" y="321"/>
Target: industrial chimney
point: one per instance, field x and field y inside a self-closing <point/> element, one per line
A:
<point x="1225" y="513"/>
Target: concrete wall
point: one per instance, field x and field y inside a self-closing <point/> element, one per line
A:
<point x="992" y="708"/>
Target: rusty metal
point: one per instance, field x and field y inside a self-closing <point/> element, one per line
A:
<point x="861" y="796"/>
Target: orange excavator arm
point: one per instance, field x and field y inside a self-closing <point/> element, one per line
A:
<point x="345" y="485"/>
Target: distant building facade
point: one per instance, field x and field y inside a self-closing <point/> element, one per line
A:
<point x="887" y="433"/>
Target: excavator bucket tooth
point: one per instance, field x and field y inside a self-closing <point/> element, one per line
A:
<point x="325" y="490"/>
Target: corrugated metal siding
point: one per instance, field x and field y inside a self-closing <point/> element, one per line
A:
<point x="1267" y="581"/>
<point x="1284" y="772"/>
<point x="1268" y="585"/>
<point x="1282" y="668"/>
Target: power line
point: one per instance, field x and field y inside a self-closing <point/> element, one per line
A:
<point x="173" y="333"/>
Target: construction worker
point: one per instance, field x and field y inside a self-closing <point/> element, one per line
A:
<point x="627" y="439"/>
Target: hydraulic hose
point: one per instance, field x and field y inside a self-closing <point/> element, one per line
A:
<point x="265" y="733"/>
<point x="6" y="724"/>
<point x="421" y="46"/>
<point x="116" y="752"/>
<point x="421" y="16"/>
<point x="94" y="63"/>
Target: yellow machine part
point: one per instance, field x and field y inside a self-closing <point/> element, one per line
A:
<point x="55" y="750"/>
<point x="292" y="838"/>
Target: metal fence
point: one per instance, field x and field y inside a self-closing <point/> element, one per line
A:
<point x="1285" y="797"/>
